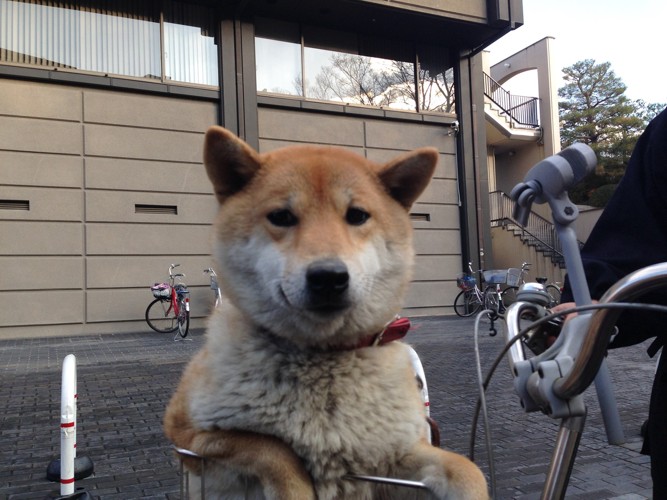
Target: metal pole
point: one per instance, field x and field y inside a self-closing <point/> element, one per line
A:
<point x="68" y="425"/>
<point x="603" y="384"/>
<point x="563" y="457"/>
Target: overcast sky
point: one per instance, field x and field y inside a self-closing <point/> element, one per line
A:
<point x="632" y="36"/>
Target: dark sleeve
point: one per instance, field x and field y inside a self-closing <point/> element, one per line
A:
<point x="632" y="232"/>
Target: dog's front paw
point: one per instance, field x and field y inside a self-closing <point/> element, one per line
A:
<point x="290" y="489"/>
<point x="463" y="483"/>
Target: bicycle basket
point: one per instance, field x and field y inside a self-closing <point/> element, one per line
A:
<point x="181" y="289"/>
<point x="513" y="276"/>
<point x="161" y="290"/>
<point x="495" y="276"/>
<point x="465" y="282"/>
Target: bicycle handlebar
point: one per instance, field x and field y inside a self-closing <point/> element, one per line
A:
<point x="548" y="182"/>
<point x="601" y="327"/>
<point x="210" y="271"/>
<point x="554" y="380"/>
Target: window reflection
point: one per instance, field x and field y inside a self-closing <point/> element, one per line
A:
<point x="278" y="66"/>
<point x="336" y="69"/>
<point x="94" y="36"/>
<point x="189" y="56"/>
<point x="190" y="52"/>
<point x="436" y="90"/>
<point x="355" y="79"/>
<point x="71" y="37"/>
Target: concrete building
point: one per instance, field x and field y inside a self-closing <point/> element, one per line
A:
<point x="521" y="131"/>
<point x="103" y="106"/>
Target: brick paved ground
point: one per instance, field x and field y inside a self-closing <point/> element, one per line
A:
<point x="125" y="381"/>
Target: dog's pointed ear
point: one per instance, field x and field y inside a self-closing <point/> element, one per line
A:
<point x="406" y="177"/>
<point x="230" y="162"/>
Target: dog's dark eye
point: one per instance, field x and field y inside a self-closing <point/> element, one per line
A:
<point x="356" y="216"/>
<point x="282" y="218"/>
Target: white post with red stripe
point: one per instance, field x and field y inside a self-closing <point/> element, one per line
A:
<point x="68" y="425"/>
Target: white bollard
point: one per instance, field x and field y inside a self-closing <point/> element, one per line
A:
<point x="68" y="425"/>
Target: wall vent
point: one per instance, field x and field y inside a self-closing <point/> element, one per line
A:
<point x="420" y="217"/>
<point x="155" y="209"/>
<point x="14" y="204"/>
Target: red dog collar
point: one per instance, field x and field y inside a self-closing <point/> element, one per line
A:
<point x="395" y="330"/>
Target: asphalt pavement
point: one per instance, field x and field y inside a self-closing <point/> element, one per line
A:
<point x="125" y="382"/>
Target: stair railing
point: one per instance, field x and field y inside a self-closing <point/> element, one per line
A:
<point x="539" y="232"/>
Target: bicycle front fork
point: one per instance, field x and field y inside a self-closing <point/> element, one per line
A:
<point x="563" y="457"/>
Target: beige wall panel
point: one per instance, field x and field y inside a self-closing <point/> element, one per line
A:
<point x="143" y="271"/>
<point x="436" y="242"/>
<point x="45" y="204"/>
<point x="127" y="142"/>
<point x="442" y="216"/>
<point x="437" y="268"/>
<point x="143" y="175"/>
<point x="398" y="135"/>
<point x="30" y="169"/>
<point x="270" y="145"/>
<point x="129" y="305"/>
<point x="148" y="111"/>
<point x="40" y="136"/>
<point x="41" y="307"/>
<point x="37" y="100"/>
<point x="119" y="206"/>
<point x="445" y="169"/>
<point x="41" y="273"/>
<point x="440" y="191"/>
<point x="148" y="239"/>
<point x="431" y="294"/>
<point x="115" y="305"/>
<point x="310" y="128"/>
<point x="40" y="238"/>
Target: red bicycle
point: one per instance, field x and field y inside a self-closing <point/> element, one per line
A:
<point x="170" y="311"/>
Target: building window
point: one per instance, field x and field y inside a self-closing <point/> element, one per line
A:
<point x="190" y="52"/>
<point x="120" y="38"/>
<point x="336" y="66"/>
<point x="278" y="66"/>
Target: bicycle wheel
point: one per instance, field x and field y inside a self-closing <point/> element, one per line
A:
<point x="554" y="293"/>
<point x="183" y="317"/>
<point x="492" y="299"/>
<point x="466" y="304"/>
<point x="508" y="296"/>
<point x="160" y="316"/>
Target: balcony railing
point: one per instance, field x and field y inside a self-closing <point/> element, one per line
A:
<point x="521" y="110"/>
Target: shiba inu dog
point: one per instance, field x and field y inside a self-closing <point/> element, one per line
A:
<point x="290" y="393"/>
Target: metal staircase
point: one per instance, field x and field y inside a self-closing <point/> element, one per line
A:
<point x="539" y="232"/>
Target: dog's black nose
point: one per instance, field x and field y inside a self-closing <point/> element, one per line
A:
<point x="327" y="278"/>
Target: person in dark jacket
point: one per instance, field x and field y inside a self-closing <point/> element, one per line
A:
<point x="630" y="234"/>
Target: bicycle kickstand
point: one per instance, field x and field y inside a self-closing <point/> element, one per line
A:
<point x="492" y="327"/>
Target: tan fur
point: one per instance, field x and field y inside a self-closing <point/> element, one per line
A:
<point x="279" y="399"/>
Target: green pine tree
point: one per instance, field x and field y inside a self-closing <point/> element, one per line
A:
<point x="595" y="110"/>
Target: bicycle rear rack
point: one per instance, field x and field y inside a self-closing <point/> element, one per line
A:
<point x="185" y="477"/>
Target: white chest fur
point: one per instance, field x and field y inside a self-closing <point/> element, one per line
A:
<point x="354" y="411"/>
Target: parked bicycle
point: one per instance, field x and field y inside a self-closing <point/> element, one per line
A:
<point x="214" y="285"/>
<point x="472" y="299"/>
<point x="170" y="311"/>
<point x="517" y="277"/>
